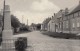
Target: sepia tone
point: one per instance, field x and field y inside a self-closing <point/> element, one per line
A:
<point x="39" y="25"/>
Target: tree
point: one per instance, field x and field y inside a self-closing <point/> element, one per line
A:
<point x="38" y="26"/>
<point x="14" y="22"/>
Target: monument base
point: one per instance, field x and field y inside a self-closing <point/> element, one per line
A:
<point x="7" y="34"/>
<point x="8" y="41"/>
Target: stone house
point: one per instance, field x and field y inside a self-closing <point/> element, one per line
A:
<point x="59" y="20"/>
<point x="73" y="20"/>
<point x="66" y="21"/>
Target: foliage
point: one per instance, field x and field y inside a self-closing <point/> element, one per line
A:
<point x="24" y="27"/>
<point x="38" y="26"/>
<point x="14" y="22"/>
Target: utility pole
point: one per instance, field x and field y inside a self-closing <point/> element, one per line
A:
<point x="27" y="22"/>
<point x="22" y="18"/>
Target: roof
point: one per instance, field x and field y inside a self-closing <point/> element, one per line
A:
<point x="47" y="21"/>
<point x="74" y="9"/>
<point x="59" y="14"/>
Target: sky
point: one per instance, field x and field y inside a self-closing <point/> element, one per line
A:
<point x="37" y="10"/>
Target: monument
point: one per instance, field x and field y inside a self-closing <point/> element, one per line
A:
<point x="7" y="35"/>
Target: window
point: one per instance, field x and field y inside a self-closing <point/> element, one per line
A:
<point x="66" y="24"/>
<point x="60" y="24"/>
<point x="78" y="24"/>
<point x="67" y="17"/>
<point x="76" y="14"/>
<point x="73" y="25"/>
<point x="71" y="16"/>
<point x="64" y="18"/>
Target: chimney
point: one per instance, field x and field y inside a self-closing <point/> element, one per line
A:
<point x="52" y="17"/>
<point x="66" y="11"/>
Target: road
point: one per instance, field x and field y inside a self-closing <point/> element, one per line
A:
<point x="39" y="42"/>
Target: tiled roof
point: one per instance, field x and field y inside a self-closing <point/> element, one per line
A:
<point x="46" y="21"/>
<point x="74" y="9"/>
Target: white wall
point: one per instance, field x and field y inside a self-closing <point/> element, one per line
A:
<point x="51" y="26"/>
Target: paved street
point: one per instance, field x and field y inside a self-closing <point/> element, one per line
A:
<point x="40" y="42"/>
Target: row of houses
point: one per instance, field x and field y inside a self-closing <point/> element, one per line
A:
<point x="66" y="21"/>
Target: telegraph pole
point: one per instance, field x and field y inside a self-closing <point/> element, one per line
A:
<point x="27" y="22"/>
<point x="22" y="19"/>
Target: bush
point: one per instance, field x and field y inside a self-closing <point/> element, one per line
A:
<point x="61" y="35"/>
<point x="21" y="43"/>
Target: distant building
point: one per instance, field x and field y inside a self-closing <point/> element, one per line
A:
<point x="44" y="25"/>
<point x="33" y="27"/>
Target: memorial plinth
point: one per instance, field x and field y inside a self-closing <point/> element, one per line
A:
<point x="7" y="35"/>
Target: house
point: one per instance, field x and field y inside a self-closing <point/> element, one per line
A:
<point x="44" y="25"/>
<point x="56" y="23"/>
<point x="73" y="20"/>
<point x="66" y="21"/>
<point x="59" y="20"/>
<point x="51" y="25"/>
<point x="33" y="27"/>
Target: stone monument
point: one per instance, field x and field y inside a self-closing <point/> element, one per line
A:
<point x="7" y="35"/>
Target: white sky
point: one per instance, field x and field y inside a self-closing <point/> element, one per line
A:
<point x="37" y="10"/>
